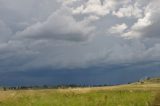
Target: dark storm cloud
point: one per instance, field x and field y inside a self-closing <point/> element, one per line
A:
<point x="113" y="74"/>
<point x="77" y="34"/>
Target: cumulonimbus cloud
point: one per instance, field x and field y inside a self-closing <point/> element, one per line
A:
<point x="46" y="38"/>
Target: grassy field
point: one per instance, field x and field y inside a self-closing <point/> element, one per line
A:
<point x="123" y="95"/>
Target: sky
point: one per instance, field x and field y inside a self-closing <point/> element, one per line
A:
<point x="78" y="41"/>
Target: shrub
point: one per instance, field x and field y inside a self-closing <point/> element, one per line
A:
<point x="156" y="101"/>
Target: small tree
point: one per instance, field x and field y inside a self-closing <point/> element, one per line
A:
<point x="4" y="88"/>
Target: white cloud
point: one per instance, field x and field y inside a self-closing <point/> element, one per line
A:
<point x="118" y="29"/>
<point x="95" y="7"/>
<point x="136" y="29"/>
<point x="146" y="26"/>
<point x="98" y="7"/>
<point x="142" y="22"/>
<point x="67" y="2"/>
<point x="78" y="10"/>
<point x="129" y="11"/>
<point x="90" y="19"/>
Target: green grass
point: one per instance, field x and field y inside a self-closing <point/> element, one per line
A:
<point x="69" y="98"/>
<point x="156" y="100"/>
<point x="135" y="94"/>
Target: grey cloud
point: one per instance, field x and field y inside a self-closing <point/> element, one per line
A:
<point x="5" y="32"/>
<point x="102" y="51"/>
<point x="60" y="25"/>
<point x="44" y="37"/>
<point x="153" y="29"/>
<point x="13" y="56"/>
<point x="20" y="14"/>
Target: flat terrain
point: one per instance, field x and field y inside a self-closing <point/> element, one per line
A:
<point x="136" y="94"/>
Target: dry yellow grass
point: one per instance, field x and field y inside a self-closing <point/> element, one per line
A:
<point x="136" y="86"/>
<point x="126" y="95"/>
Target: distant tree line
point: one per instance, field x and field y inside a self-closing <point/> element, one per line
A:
<point x="50" y="87"/>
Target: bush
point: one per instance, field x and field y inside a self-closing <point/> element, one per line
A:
<point x="156" y="101"/>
